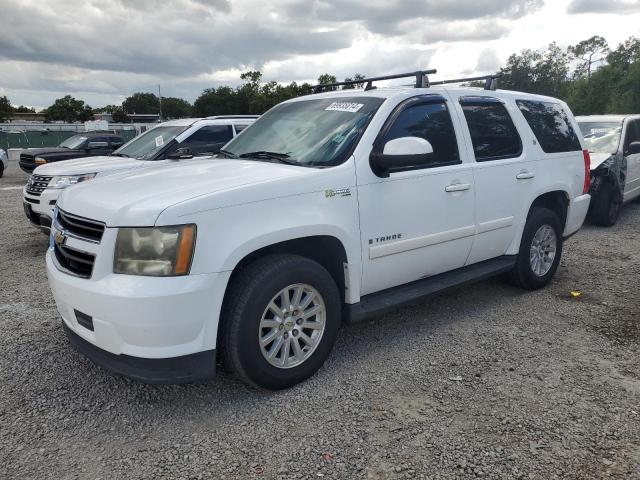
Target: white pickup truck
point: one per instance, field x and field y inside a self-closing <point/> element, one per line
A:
<point x="165" y="143"/>
<point x="331" y="207"/>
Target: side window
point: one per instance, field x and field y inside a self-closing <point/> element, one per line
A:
<point x="116" y="142"/>
<point x="550" y="125"/>
<point x="633" y="133"/>
<point x="432" y="122"/>
<point x="104" y="140"/>
<point x="208" y="139"/>
<point x="493" y="134"/>
<point x="239" y="128"/>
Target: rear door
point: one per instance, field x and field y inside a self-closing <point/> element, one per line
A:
<point x="503" y="173"/>
<point x="418" y="222"/>
<point x="632" y="187"/>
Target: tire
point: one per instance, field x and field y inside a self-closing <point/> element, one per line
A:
<point x="606" y="207"/>
<point x="1" y="169"/>
<point x="247" y="310"/>
<point x="524" y="273"/>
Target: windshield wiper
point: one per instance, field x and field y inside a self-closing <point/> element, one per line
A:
<point x="119" y="155"/>
<point x="279" y="157"/>
<point x="228" y="154"/>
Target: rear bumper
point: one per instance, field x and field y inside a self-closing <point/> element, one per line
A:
<point x="187" y="368"/>
<point x="576" y="214"/>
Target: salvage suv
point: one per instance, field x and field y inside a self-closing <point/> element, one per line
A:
<point x="331" y="207"/>
<point x="170" y="141"/>
<point x="614" y="144"/>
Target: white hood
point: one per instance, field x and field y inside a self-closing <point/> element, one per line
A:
<point x="598" y="158"/>
<point x="79" y="166"/>
<point x="137" y="198"/>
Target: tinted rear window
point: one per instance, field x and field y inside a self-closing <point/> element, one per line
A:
<point x="493" y="134"/>
<point x="550" y="125"/>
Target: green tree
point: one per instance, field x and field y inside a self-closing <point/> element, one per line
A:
<point x="140" y="102"/>
<point x="5" y="109"/>
<point x="116" y="111"/>
<point x="23" y="109"/>
<point x="68" y="109"/>
<point x="175" y="108"/>
<point x="589" y="52"/>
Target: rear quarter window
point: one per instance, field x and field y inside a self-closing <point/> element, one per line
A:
<point x="551" y="126"/>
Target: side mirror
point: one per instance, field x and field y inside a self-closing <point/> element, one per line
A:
<point x="401" y="154"/>
<point x="634" y="148"/>
<point x="97" y="145"/>
<point x="181" y="153"/>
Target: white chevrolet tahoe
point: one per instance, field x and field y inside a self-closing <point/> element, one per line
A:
<point x="331" y="207"/>
<point x="162" y="145"/>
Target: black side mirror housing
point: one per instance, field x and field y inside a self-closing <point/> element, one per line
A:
<point x="634" y="148"/>
<point x="182" y="153"/>
<point x="407" y="153"/>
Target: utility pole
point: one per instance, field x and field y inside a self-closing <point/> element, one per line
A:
<point x="160" y="98"/>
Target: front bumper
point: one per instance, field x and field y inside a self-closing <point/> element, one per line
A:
<point x="151" y="329"/>
<point x="39" y="209"/>
<point x="184" y="369"/>
<point x="576" y="214"/>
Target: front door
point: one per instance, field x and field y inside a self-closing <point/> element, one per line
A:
<point x="632" y="186"/>
<point x="419" y="222"/>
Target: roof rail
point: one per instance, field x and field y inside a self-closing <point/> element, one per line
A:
<point x="490" y="81"/>
<point x="233" y="117"/>
<point x="421" y="80"/>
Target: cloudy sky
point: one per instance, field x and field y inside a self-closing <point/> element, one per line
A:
<point x="103" y="50"/>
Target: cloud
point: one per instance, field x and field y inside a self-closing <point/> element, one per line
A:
<point x="599" y="6"/>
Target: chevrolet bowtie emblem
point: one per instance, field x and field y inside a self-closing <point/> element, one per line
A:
<point x="59" y="238"/>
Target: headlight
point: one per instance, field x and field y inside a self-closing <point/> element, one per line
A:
<point x="39" y="160"/>
<point x="155" y="251"/>
<point x="64" y="181"/>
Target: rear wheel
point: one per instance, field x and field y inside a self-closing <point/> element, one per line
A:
<point x="606" y="206"/>
<point x="540" y="250"/>
<point x="280" y="321"/>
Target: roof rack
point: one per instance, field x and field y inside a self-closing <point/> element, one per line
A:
<point x="422" y="81"/>
<point x="490" y="81"/>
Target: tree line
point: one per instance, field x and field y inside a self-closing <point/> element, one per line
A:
<point x="590" y="76"/>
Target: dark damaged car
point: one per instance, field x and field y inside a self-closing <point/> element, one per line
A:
<point x="614" y="144"/>
<point x="87" y="144"/>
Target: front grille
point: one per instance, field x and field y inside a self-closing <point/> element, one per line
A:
<point x="37" y="184"/>
<point x="27" y="158"/>
<point x="78" y="263"/>
<point x="84" y="228"/>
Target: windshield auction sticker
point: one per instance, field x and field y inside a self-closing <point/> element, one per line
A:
<point x="159" y="141"/>
<point x="345" y="107"/>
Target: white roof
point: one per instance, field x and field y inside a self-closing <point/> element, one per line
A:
<point x="604" y="118"/>
<point x="186" y="122"/>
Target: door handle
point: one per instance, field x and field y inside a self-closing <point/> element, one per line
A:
<point x="457" y="187"/>
<point x="525" y="175"/>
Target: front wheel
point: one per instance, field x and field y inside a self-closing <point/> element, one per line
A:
<point x="280" y="321"/>
<point x="606" y="207"/>
<point x="1" y="169"/>
<point x="540" y="250"/>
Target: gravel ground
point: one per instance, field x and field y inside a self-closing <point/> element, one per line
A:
<point x="488" y="381"/>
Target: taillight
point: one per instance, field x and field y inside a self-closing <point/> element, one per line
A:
<point x="587" y="171"/>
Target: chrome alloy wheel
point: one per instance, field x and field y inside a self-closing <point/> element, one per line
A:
<point x="543" y="250"/>
<point x="292" y="325"/>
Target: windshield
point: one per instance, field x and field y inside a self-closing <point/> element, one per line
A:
<point x="73" y="142"/>
<point x="601" y="137"/>
<point x="321" y="132"/>
<point x="145" y="146"/>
